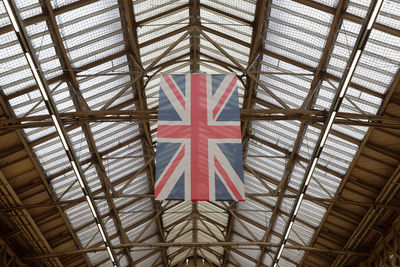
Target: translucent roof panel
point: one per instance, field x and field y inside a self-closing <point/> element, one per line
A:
<point x="28" y="8"/>
<point x="387" y="15"/>
<point x="145" y="10"/>
<point x="101" y="24"/>
<point x="290" y="23"/>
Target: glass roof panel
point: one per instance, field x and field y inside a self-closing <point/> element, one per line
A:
<point x="388" y="15"/>
<point x="28" y="8"/>
<point x="243" y="9"/>
<point x="146" y="9"/>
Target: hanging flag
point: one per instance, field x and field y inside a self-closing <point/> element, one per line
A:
<point x="199" y="150"/>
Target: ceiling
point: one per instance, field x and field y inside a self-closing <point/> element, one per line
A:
<point x="319" y="92"/>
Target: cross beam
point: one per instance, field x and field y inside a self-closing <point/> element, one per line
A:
<point x="198" y="245"/>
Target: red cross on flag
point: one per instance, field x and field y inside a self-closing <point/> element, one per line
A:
<point x="199" y="151"/>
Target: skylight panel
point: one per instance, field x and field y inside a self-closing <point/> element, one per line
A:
<point x="4" y="19"/>
<point x="311" y="213"/>
<point x="108" y="91"/>
<point x="241" y="9"/>
<point x="28" y="103"/>
<point x="300" y="233"/>
<point x="285" y="14"/>
<point x="87" y="12"/>
<point x="280" y="224"/>
<point x="274" y="171"/>
<point x="291" y="89"/>
<point x="94" y="45"/>
<point x="213" y="20"/>
<point x="60" y="3"/>
<point x="287" y="204"/>
<point x="123" y="168"/>
<point x="343" y="47"/>
<point x="254" y="210"/>
<point x="137" y="186"/>
<point x="86" y="80"/>
<point x="331" y="3"/>
<point x="74" y="38"/>
<point x="209" y="49"/>
<point x="212" y="53"/>
<point x="67" y="187"/>
<point x="98" y="257"/>
<point x="80" y="215"/>
<point x="240" y="53"/>
<point x="296" y="177"/>
<point x="278" y="130"/>
<point x="211" y="68"/>
<point x="15" y="75"/>
<point x="354" y="131"/>
<point x="323" y="184"/>
<point x="358" y="8"/>
<point x="89" y="236"/>
<point x="93" y="179"/>
<point x="167" y="42"/>
<point x="51" y="148"/>
<point x="148" y="261"/>
<point x="309" y="141"/>
<point x="163" y="25"/>
<point x="389" y="14"/>
<point x="147" y="9"/>
<point x="28" y="8"/>
<point x="182" y="49"/>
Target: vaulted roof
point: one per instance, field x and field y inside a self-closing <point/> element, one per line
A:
<point x="319" y="93"/>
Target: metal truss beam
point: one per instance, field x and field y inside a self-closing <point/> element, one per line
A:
<point x="309" y="116"/>
<point x="199" y="245"/>
<point x="70" y="203"/>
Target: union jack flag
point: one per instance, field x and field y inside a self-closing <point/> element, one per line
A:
<point x="199" y="151"/>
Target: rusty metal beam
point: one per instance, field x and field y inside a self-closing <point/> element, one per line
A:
<point x="316" y="121"/>
<point x="246" y="114"/>
<point x="199" y="245"/>
<point x="194" y="18"/>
